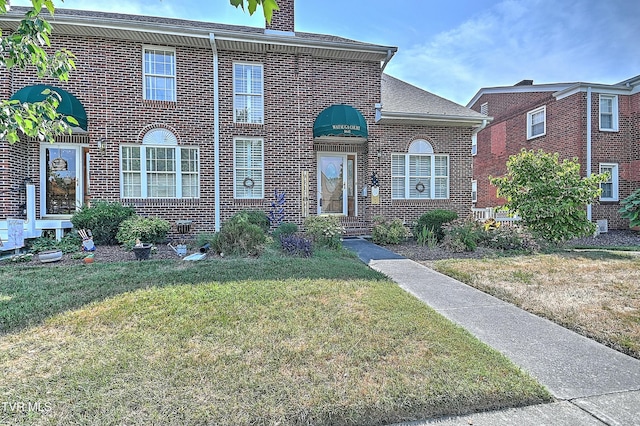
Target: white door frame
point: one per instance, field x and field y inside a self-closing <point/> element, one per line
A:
<point x="344" y="156"/>
<point x="79" y="172"/>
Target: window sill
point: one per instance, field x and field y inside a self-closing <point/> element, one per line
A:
<point x="529" y="138"/>
<point x="609" y="130"/>
<point x="161" y="201"/>
<point x="160" y="104"/>
<point x="609" y="202"/>
<point x="248" y="201"/>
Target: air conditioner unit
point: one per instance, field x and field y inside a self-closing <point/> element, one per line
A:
<point x="603" y="226"/>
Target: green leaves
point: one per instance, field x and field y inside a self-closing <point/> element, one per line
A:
<point x="631" y="208"/>
<point x="549" y="194"/>
<point x="268" y="6"/>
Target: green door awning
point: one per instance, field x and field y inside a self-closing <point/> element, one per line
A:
<point x="69" y="105"/>
<point x="341" y="121"/>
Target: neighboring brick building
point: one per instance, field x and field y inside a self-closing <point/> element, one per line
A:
<point x="599" y="124"/>
<point x="195" y="121"/>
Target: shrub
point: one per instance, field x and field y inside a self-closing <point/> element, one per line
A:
<point x="462" y="236"/>
<point x="631" y="208"/>
<point x="256" y="217"/>
<point x="295" y="245"/>
<point x="434" y="220"/>
<point x="509" y="238"/>
<point x="389" y="232"/>
<point x="145" y="229"/>
<point x="324" y="230"/>
<point x="70" y="243"/>
<point x="285" y="229"/>
<point x="239" y="237"/>
<point x="208" y="238"/>
<point x="103" y="219"/>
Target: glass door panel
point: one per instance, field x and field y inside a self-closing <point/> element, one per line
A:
<point x="61" y="177"/>
<point x="331" y="183"/>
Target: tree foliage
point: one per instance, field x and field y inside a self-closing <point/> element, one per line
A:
<point x="25" y="48"/>
<point x="268" y="6"/>
<point x="549" y="195"/>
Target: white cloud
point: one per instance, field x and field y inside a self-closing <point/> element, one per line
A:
<point x="540" y="40"/>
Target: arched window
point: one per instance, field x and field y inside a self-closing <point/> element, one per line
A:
<point x="159" y="168"/>
<point x="419" y="174"/>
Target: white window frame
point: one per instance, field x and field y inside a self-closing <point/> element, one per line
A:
<point x="474" y="191"/>
<point x="159" y="139"/>
<point x="474" y="144"/>
<point x="172" y="76"/>
<point x="530" y="116"/>
<point x="257" y="170"/>
<point x="614" y="180"/>
<point x="420" y="148"/>
<point x="613" y="113"/>
<point x="259" y="97"/>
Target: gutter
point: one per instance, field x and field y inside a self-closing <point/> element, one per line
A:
<point x="216" y="134"/>
<point x="459" y="120"/>
<point x="390" y="53"/>
<point x="589" y="125"/>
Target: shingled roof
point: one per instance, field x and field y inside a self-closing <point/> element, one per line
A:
<point x="403" y="102"/>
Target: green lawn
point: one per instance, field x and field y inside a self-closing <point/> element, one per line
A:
<point x="238" y="342"/>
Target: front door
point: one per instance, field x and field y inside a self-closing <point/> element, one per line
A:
<point x="62" y="179"/>
<point x="336" y="184"/>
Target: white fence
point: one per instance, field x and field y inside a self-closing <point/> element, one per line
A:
<point x="505" y="218"/>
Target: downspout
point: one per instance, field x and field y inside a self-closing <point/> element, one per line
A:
<point x="216" y="134"/>
<point x="387" y="59"/>
<point x="479" y="129"/>
<point x="589" y="144"/>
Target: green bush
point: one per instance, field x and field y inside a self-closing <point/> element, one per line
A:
<point x="508" y="238"/>
<point x="70" y="243"/>
<point x="462" y="236"/>
<point x="426" y="237"/>
<point x="208" y="238"/>
<point x="324" y="230"/>
<point x="285" y="229"/>
<point x="389" y="232"/>
<point x="256" y="217"/>
<point x="434" y="220"/>
<point x="103" y="219"/>
<point x="145" y="229"/>
<point x="239" y="237"/>
<point x="631" y="208"/>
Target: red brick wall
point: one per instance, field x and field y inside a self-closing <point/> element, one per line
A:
<point x="565" y="134"/>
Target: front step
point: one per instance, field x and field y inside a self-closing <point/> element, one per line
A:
<point x="354" y="227"/>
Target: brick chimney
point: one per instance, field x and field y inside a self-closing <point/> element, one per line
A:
<point x="283" y="19"/>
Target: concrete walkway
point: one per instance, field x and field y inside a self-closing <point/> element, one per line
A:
<point x="594" y="385"/>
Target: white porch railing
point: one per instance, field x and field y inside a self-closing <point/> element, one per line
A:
<point x="505" y="217"/>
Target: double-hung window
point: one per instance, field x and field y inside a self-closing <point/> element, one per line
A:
<point x="420" y="174"/>
<point x="537" y="122"/>
<point x="474" y="191"/>
<point x="159" y="74"/>
<point x="610" y="187"/>
<point x="248" y="168"/>
<point x="159" y="168"/>
<point x="609" y="113"/>
<point x="248" y="94"/>
<point x="474" y="144"/>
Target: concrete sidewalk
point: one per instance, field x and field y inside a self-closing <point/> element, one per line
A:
<point x="594" y="384"/>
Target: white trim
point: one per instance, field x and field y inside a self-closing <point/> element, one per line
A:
<point x="474" y="191"/>
<point x="249" y="94"/>
<point x="43" y="176"/>
<point x="407" y="176"/>
<point x="615" y="179"/>
<point x="172" y="50"/>
<point x="144" y="194"/>
<point x="614" y="113"/>
<point x="530" y="114"/>
<point x="518" y="89"/>
<point x="345" y="195"/>
<point x="251" y="139"/>
<point x="474" y="144"/>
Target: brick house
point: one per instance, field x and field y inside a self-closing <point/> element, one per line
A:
<point x="597" y="123"/>
<point x="194" y="121"/>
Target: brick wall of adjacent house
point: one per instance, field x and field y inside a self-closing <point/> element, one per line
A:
<point x="566" y="133"/>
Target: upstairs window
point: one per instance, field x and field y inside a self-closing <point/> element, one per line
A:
<point x="608" y="113"/>
<point x="420" y="174"/>
<point x="537" y="122"/>
<point x="248" y="94"/>
<point x="159" y="168"/>
<point x="610" y="187"/>
<point x="159" y="74"/>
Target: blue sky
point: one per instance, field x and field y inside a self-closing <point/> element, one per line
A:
<point x="453" y="48"/>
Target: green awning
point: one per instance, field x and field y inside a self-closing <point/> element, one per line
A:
<point x="340" y="120"/>
<point x="69" y="105"/>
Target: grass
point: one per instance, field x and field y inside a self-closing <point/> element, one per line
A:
<point x="323" y="341"/>
<point x="596" y="293"/>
